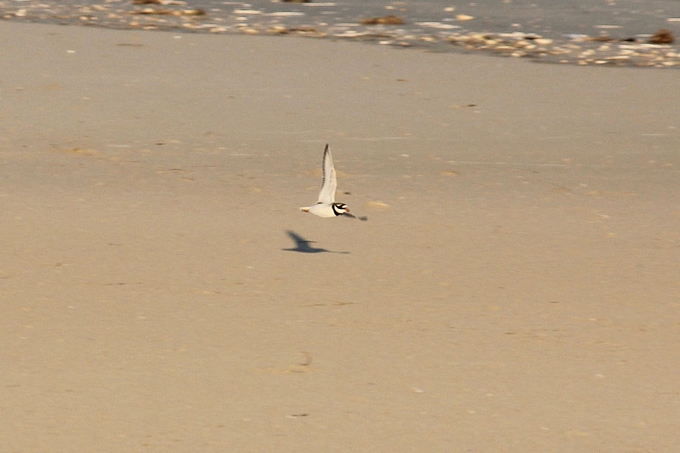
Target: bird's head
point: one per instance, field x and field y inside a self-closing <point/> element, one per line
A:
<point x="340" y="208"/>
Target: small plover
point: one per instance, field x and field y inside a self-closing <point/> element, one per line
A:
<point x="326" y="206"/>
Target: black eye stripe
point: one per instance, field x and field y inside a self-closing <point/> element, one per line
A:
<point x="336" y="206"/>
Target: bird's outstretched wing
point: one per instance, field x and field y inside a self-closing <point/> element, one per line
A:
<point x="330" y="181"/>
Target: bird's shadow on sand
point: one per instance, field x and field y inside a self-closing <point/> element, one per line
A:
<point x="302" y="245"/>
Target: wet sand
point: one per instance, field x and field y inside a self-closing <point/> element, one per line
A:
<point x="625" y="33"/>
<point x="515" y="287"/>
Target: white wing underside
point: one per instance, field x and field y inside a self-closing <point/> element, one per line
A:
<point x="330" y="180"/>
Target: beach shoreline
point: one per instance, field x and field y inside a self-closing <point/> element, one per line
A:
<point x="514" y="287"/>
<point x="618" y="34"/>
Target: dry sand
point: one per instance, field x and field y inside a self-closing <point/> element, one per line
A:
<point x="515" y="289"/>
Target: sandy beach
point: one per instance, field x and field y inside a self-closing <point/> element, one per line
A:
<point x="514" y="289"/>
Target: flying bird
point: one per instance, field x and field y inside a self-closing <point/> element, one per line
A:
<point x="326" y="206"/>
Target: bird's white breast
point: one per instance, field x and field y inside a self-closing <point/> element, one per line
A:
<point x="322" y="210"/>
